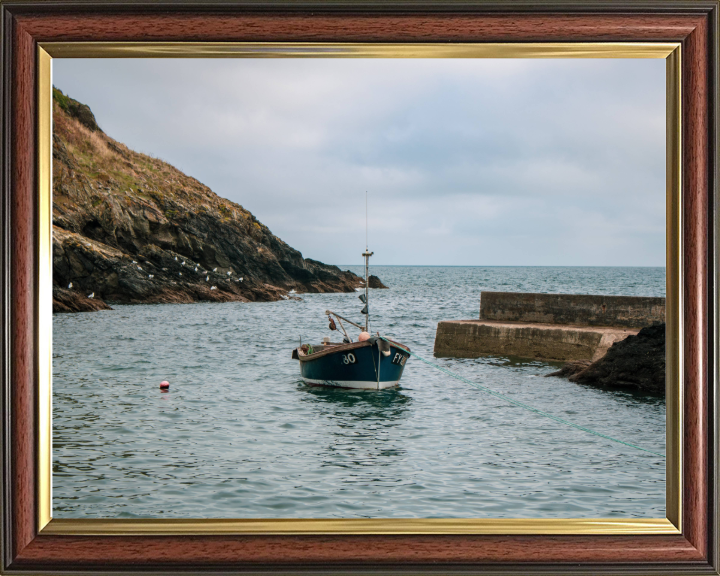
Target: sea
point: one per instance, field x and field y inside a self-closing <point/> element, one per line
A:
<point x="239" y="435"/>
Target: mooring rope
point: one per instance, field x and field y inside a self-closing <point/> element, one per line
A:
<point x="525" y="406"/>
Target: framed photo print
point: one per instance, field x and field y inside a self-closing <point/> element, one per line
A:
<point x="359" y="288"/>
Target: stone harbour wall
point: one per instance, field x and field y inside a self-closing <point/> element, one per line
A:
<point x="473" y="338"/>
<point x="554" y="327"/>
<point x="572" y="309"/>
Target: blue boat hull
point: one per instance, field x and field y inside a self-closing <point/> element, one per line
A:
<point x="359" y="365"/>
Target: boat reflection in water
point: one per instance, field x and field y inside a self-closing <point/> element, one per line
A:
<point x="362" y="427"/>
<point x="390" y="403"/>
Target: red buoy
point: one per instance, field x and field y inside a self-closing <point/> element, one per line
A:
<point x="164" y="385"/>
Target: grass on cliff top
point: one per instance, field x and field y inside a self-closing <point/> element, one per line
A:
<point x="107" y="163"/>
<point x="62" y="100"/>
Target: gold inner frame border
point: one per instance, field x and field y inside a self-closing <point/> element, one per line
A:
<point x="669" y="51"/>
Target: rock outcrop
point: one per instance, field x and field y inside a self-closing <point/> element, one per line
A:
<point x="374" y="282"/>
<point x="636" y="362"/>
<point x="130" y="228"/>
<point x="65" y="300"/>
<point x="571" y="369"/>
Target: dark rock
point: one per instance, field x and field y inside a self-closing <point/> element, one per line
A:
<point x="571" y="368"/>
<point x="133" y="229"/>
<point x="374" y="282"/>
<point x="65" y="300"/>
<point x="636" y="362"/>
<point x="76" y="110"/>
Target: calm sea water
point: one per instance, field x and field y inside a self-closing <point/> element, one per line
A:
<point x="239" y="435"/>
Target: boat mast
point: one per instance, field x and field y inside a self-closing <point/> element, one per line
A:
<point x="366" y="254"/>
<point x="366" y="310"/>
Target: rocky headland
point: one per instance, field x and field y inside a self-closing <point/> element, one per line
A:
<point x="130" y="228"/>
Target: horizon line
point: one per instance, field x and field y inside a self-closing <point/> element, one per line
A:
<point x="500" y="266"/>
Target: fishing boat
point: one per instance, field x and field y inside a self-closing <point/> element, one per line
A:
<point x="372" y="362"/>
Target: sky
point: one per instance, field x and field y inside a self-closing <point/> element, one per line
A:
<point x="466" y="162"/>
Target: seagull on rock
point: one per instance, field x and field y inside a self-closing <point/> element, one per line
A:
<point x="70" y="285"/>
<point x="92" y="295"/>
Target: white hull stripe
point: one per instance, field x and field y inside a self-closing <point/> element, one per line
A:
<point x="364" y="384"/>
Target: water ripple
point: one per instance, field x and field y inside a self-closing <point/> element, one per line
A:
<point x="239" y="435"/>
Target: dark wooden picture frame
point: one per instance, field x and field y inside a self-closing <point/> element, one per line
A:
<point x="26" y="549"/>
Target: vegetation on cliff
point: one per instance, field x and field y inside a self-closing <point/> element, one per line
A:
<point x="128" y="227"/>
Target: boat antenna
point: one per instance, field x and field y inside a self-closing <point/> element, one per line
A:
<point x="366" y="254"/>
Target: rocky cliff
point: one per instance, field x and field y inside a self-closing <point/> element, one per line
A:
<point x="130" y="228"/>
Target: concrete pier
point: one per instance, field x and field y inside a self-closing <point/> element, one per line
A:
<point x="555" y="327"/>
<point x="473" y="338"/>
<point x="573" y="309"/>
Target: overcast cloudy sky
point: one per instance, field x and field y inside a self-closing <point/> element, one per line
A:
<point x="466" y="162"/>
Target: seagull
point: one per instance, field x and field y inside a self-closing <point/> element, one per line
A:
<point x="229" y="272"/>
<point x="195" y="268"/>
<point x="151" y="276"/>
<point x="183" y="262"/>
<point x="139" y="268"/>
<point x="70" y="285"/>
<point x="213" y="288"/>
<point x="175" y="258"/>
<point x="134" y="261"/>
<point x="214" y="269"/>
<point x="180" y="273"/>
<point x="207" y="278"/>
<point x="92" y="295"/>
